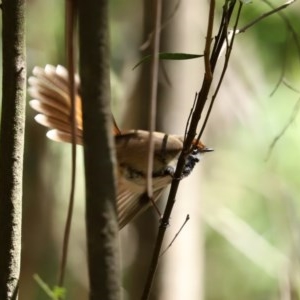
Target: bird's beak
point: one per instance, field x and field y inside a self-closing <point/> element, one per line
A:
<point x="206" y="149"/>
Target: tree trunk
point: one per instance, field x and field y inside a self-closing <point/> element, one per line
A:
<point x="12" y="146"/>
<point x="101" y="216"/>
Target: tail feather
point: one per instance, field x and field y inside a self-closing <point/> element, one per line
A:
<point x="60" y="136"/>
<point x="50" y="90"/>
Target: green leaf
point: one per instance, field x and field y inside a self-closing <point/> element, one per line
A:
<point x="59" y="292"/>
<point x="169" y="56"/>
<point x="56" y="294"/>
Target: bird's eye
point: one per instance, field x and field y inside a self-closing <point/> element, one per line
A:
<point x="195" y="151"/>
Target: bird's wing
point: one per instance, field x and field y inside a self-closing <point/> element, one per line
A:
<point x="130" y="203"/>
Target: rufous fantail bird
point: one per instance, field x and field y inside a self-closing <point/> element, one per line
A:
<point x="50" y="89"/>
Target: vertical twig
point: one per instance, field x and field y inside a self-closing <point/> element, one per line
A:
<point x="211" y="14"/>
<point x="228" y="8"/>
<point x="70" y="13"/>
<point x="101" y="215"/>
<point x="153" y="96"/>
<point x="12" y="145"/>
<point x="227" y="57"/>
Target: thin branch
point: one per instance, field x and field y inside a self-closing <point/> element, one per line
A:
<point x="227" y="57"/>
<point x="222" y="34"/>
<point x="281" y="79"/>
<point x="289" y="85"/>
<point x="288" y="25"/>
<point x="283" y="68"/>
<point x="190" y="116"/>
<point x="153" y="98"/>
<point x="282" y="15"/>
<point x="70" y="33"/>
<point x="176" y="235"/>
<point x="147" y="43"/>
<point x="284" y="129"/>
<point x="267" y="14"/>
<point x="210" y="25"/>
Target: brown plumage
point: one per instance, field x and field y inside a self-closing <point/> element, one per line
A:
<point x="49" y="88"/>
